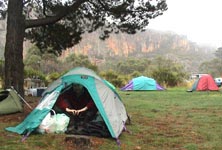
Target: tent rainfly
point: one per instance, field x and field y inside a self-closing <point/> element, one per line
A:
<point x="142" y="83"/>
<point x="105" y="97"/>
<point x="204" y="83"/>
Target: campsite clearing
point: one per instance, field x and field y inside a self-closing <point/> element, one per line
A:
<point x="171" y="119"/>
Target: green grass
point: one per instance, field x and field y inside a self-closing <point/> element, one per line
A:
<point x="160" y="120"/>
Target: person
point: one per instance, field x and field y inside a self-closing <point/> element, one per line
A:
<point x="78" y="105"/>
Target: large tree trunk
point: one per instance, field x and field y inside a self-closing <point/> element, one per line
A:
<point x="14" y="66"/>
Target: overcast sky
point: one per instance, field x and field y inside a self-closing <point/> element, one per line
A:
<point x="199" y="20"/>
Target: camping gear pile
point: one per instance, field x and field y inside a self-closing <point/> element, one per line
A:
<point x="105" y="97"/>
<point x="53" y="123"/>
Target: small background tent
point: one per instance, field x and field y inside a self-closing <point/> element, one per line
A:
<point x="142" y="83"/>
<point x="105" y="97"/>
<point x="10" y="102"/>
<point x="204" y="83"/>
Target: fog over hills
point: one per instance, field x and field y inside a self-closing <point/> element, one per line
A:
<point x="148" y="44"/>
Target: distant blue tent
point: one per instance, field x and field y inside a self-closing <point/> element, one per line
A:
<point x="142" y="83"/>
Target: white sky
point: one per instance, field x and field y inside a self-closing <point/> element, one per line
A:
<point x="199" y="20"/>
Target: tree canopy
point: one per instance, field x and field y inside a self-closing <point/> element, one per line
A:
<point x="109" y="16"/>
<point x="55" y="25"/>
<point x="213" y="67"/>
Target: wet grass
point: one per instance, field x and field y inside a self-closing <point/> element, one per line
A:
<point x="160" y="120"/>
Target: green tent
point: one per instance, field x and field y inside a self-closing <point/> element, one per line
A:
<point x="10" y="102"/>
<point x="105" y="97"/>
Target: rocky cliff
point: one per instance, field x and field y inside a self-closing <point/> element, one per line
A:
<point x="149" y="44"/>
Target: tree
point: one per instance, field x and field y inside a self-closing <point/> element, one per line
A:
<point x="60" y="24"/>
<point x="218" y="54"/>
<point x="74" y="60"/>
<point x="168" y="72"/>
<point x="130" y="65"/>
<point x="213" y="66"/>
<point x="45" y="63"/>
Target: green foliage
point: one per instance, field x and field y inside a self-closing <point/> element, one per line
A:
<point x="90" y="16"/>
<point x="50" y="63"/>
<point x="47" y="66"/>
<point x="74" y="60"/>
<point x="114" y="78"/>
<point x="109" y="75"/>
<point x="138" y="47"/>
<point x="213" y="67"/>
<point x="168" y="72"/>
<point x="60" y="24"/>
<point x="52" y="77"/>
<point x="33" y="58"/>
<point x="33" y="73"/>
<point x="218" y="53"/>
<point x="136" y="74"/>
<point x="34" y="50"/>
<point x="165" y="71"/>
<point x="130" y="65"/>
<point x="39" y="64"/>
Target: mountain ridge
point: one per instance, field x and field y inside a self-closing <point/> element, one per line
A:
<point x="149" y="44"/>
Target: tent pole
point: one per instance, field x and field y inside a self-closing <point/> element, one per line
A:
<point x="22" y="98"/>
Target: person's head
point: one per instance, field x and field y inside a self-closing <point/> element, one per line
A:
<point x="78" y="88"/>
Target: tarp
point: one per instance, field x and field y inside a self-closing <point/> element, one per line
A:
<point x="142" y="83"/>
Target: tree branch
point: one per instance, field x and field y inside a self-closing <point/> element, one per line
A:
<point x="51" y="20"/>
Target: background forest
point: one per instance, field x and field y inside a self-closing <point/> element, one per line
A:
<point x="165" y="56"/>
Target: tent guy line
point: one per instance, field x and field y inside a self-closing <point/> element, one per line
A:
<point x="22" y="98"/>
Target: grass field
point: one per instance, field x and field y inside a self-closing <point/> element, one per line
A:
<point x="168" y="120"/>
